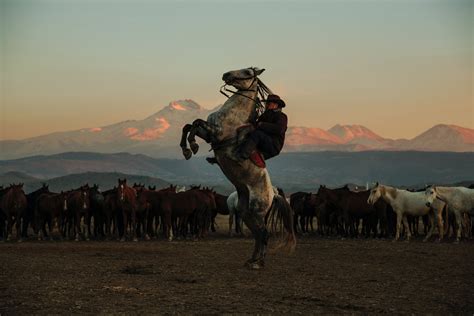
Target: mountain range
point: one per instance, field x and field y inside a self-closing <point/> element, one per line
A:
<point x="158" y="136"/>
<point x="292" y="171"/>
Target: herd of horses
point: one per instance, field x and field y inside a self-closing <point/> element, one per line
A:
<point x="381" y="211"/>
<point x="133" y="212"/>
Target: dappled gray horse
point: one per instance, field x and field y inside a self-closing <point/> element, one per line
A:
<point x="225" y="129"/>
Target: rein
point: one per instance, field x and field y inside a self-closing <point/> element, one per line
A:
<point x="262" y="90"/>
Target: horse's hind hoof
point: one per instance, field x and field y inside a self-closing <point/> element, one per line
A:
<point x="254" y="264"/>
<point x="147" y="237"/>
<point x="187" y="153"/>
<point x="135" y="239"/>
<point x="20" y="240"/>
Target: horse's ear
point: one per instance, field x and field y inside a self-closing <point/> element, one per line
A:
<point x="377" y="184"/>
<point x="258" y="71"/>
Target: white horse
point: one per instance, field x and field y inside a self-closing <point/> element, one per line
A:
<point x="405" y="203"/>
<point x="225" y="129"/>
<point x="460" y="200"/>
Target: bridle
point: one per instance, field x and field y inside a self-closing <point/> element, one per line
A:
<point x="262" y="90"/>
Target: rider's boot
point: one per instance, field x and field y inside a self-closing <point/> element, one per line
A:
<point x="212" y="160"/>
<point x="244" y="151"/>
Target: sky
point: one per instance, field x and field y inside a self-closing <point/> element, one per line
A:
<point x="397" y="67"/>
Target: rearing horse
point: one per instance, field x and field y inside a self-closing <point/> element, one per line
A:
<point x="224" y="129"/>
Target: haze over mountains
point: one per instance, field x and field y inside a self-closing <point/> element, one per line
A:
<point x="292" y="171"/>
<point x="158" y="136"/>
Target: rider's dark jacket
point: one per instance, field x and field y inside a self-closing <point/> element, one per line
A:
<point x="274" y="124"/>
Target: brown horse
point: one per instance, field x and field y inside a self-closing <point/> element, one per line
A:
<point x="221" y="208"/>
<point x="13" y="205"/>
<point x="127" y="207"/>
<point x="78" y="208"/>
<point x="151" y="200"/>
<point x="201" y="218"/>
<point x="50" y="208"/>
<point x="32" y="199"/>
<point x="110" y="212"/>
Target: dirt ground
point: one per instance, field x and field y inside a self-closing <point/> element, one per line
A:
<point x="323" y="276"/>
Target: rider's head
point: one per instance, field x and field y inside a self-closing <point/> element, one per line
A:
<point x="274" y="102"/>
<point x="271" y="105"/>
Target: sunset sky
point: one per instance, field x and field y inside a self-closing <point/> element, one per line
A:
<point x="397" y="67"/>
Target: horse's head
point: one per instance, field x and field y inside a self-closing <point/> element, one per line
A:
<point x="431" y="195"/>
<point x="121" y="188"/>
<point x="375" y="193"/>
<point x="243" y="79"/>
<point x="84" y="195"/>
<point x="95" y="189"/>
<point x="17" y="195"/>
<point x="63" y="198"/>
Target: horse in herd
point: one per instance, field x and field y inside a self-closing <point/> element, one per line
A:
<point x="124" y="212"/>
<point x="132" y="212"/>
<point x="382" y="210"/>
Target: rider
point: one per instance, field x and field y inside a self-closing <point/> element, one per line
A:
<point x="269" y="135"/>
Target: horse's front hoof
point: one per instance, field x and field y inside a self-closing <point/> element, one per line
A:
<point x="187" y="153"/>
<point x="456" y="241"/>
<point x="20" y="240"/>
<point x="135" y="239"/>
<point x="122" y="239"/>
<point x="194" y="147"/>
<point x="147" y="237"/>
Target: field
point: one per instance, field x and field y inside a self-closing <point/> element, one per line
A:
<point x="323" y="276"/>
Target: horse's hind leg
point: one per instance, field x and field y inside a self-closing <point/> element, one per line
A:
<point x="399" y="224"/>
<point x="407" y="228"/>
<point x="430" y="232"/>
<point x="458" y="215"/>
<point x="184" y="146"/>
<point x="18" y="228"/>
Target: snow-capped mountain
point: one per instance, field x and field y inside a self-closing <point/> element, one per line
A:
<point x="158" y="136"/>
<point x="442" y="137"/>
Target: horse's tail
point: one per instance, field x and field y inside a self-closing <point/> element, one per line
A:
<point x="279" y="218"/>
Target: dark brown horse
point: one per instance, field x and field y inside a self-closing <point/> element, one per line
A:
<point x="111" y="213"/>
<point x="13" y="204"/>
<point x="50" y="208"/>
<point x="29" y="217"/>
<point x="127" y="207"/>
<point x="333" y="213"/>
<point x="221" y="208"/>
<point x="78" y="208"/>
<point x="151" y="201"/>
<point x="201" y="218"/>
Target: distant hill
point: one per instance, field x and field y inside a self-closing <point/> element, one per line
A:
<point x="158" y="136"/>
<point x="292" y="171"/>
<point x="105" y="180"/>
